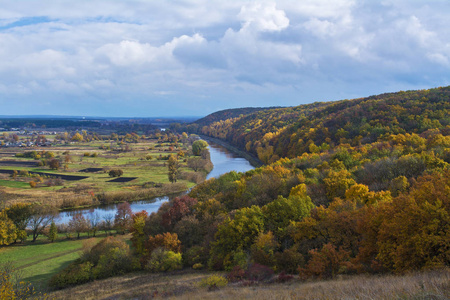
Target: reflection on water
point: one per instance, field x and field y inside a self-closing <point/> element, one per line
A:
<point x="224" y="161"/>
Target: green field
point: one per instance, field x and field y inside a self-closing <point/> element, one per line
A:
<point x="38" y="262"/>
<point x="145" y="160"/>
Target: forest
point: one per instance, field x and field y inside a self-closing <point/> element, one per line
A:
<point x="348" y="187"/>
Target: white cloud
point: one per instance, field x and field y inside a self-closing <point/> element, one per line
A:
<point x="123" y="51"/>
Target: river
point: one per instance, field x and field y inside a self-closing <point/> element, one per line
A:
<point x="223" y="160"/>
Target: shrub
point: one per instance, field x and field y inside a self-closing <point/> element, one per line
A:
<point x="162" y="260"/>
<point x="32" y="184"/>
<point x="257" y="272"/>
<point x="283" y="277"/>
<point x="24" y="173"/>
<point x="115" y="173"/>
<point x="236" y="274"/>
<point x="75" y="273"/>
<point x="115" y="261"/>
<point x="213" y="282"/>
<point x="198" y="266"/>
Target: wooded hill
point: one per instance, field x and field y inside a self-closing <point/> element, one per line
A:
<point x="289" y="132"/>
<point x="350" y="186"/>
<point x="353" y="186"/>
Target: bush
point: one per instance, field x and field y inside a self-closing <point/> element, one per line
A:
<point x="32" y="184"/>
<point x="198" y="266"/>
<point x="162" y="260"/>
<point x="75" y="273"/>
<point x="213" y="282"/>
<point x="257" y="272"/>
<point x="115" y="173"/>
<point x="283" y="277"/>
<point x="236" y="274"/>
<point x="24" y="173"/>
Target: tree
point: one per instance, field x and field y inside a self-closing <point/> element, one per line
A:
<point x="279" y="213"/>
<point x="79" y="224"/>
<point x="107" y="223"/>
<point x="77" y="137"/>
<point x="53" y="233"/>
<point x="235" y="235"/>
<point x="42" y="216"/>
<point x="8" y="231"/>
<point x="198" y="146"/>
<point x="54" y="164"/>
<point x="20" y="214"/>
<point x="94" y="220"/>
<point x="196" y="163"/>
<point x="168" y="241"/>
<point x="137" y="230"/>
<point x="122" y="220"/>
<point x="173" y="168"/>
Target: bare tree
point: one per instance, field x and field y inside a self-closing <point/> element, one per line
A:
<point x="79" y="224"/>
<point x="42" y="216"/>
<point x="108" y="223"/>
<point x="94" y="220"/>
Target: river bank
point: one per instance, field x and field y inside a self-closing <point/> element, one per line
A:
<point x="253" y="160"/>
<point x="223" y="160"/>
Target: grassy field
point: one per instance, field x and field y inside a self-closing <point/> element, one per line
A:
<point x="140" y="160"/>
<point x="39" y="261"/>
<point x="184" y="285"/>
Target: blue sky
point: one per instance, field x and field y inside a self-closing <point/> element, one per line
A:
<point x="191" y="58"/>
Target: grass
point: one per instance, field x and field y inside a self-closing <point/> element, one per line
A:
<point x="133" y="163"/>
<point x="185" y="285"/>
<point x="15" y="184"/>
<point x="40" y="260"/>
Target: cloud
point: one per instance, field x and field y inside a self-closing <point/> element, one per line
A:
<point x="126" y="56"/>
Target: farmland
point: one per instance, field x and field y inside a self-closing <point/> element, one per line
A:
<point x="81" y="177"/>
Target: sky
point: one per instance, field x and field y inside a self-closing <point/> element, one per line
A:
<point x="191" y="58"/>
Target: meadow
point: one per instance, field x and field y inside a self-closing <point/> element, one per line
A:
<point x="51" y="258"/>
<point x="86" y="166"/>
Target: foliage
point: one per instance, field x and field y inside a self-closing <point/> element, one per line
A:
<point x="173" y="168"/>
<point x="213" y="282"/>
<point x="110" y="257"/>
<point x="8" y="231"/>
<point x="198" y="146"/>
<point x="122" y="219"/>
<point x="162" y="260"/>
<point x="168" y="241"/>
<point x="53" y="232"/>
<point x="115" y="173"/>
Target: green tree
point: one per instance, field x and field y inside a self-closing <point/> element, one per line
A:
<point x="235" y="235"/>
<point x="173" y="168"/>
<point x="53" y="233"/>
<point x="198" y="146"/>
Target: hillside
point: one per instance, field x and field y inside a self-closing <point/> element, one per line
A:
<point x="289" y="132"/>
<point x="350" y="187"/>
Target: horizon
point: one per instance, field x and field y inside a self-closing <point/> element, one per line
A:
<point x="140" y="59"/>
